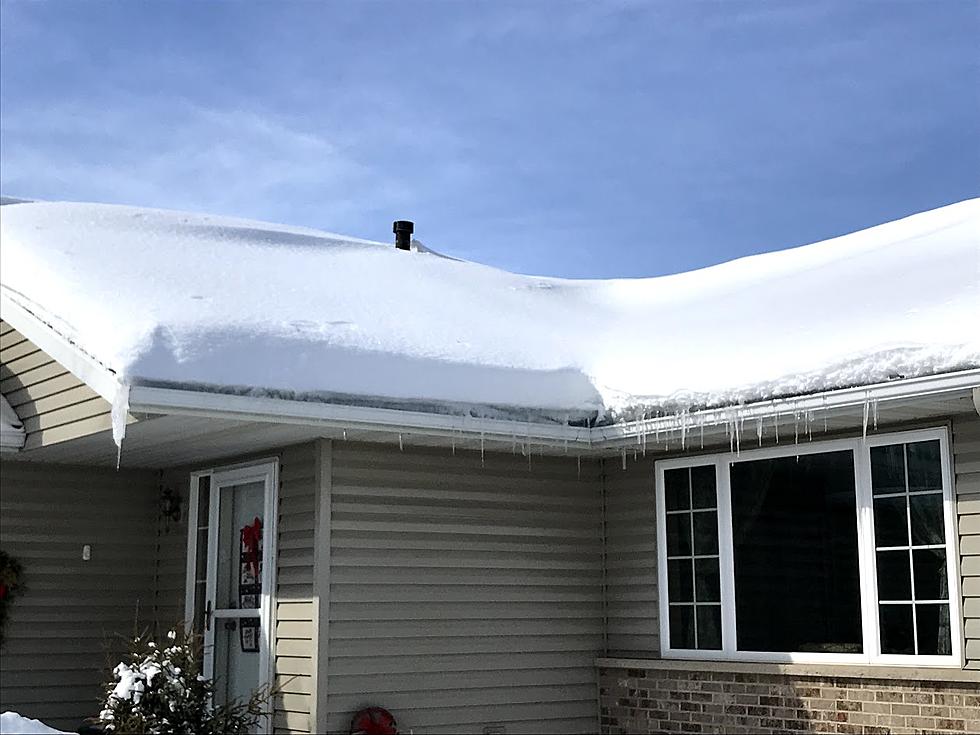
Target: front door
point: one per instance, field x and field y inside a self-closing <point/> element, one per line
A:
<point x="230" y="583"/>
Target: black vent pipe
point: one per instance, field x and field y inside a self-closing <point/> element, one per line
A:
<point x="403" y="230"/>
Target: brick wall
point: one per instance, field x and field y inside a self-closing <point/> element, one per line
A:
<point x="651" y="700"/>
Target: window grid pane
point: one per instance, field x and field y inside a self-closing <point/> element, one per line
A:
<point x="907" y="478"/>
<point x="693" y="582"/>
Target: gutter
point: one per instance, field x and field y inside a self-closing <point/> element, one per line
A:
<point x="145" y="399"/>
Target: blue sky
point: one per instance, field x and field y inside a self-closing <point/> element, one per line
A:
<point x="581" y="140"/>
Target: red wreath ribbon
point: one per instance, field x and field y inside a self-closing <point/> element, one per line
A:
<point x="251" y="538"/>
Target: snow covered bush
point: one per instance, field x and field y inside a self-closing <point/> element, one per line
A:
<point x="160" y="690"/>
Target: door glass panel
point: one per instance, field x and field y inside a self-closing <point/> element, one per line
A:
<point x="236" y="671"/>
<point x="239" y="566"/>
<point x="201" y="551"/>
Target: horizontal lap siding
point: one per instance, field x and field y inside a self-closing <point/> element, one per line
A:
<point x="53" y="404"/>
<point x="463" y="596"/>
<point x="966" y="466"/>
<point x="631" y="558"/>
<point x="64" y="630"/>
<point x="295" y="628"/>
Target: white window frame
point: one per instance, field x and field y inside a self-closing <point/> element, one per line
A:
<point x="861" y="448"/>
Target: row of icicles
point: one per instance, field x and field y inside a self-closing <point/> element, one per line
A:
<point x="682" y="425"/>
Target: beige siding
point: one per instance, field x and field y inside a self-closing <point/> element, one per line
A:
<point x="53" y="404"/>
<point x="295" y="627"/>
<point x="65" y="627"/>
<point x="966" y="465"/>
<point x="630" y="558"/>
<point x="463" y="596"/>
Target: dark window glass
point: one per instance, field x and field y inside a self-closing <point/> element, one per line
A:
<point x="682" y="626"/>
<point x="680" y="581"/>
<point x="703" y="486"/>
<point x="925" y="466"/>
<point x="891" y="523"/>
<point x="932" y="626"/>
<point x="679" y="534"/>
<point x="797" y="586"/>
<point x="888" y="469"/>
<point x="706" y="532"/>
<point x="677" y="495"/>
<point x="707" y="581"/>
<point x="709" y="627"/>
<point x="895" y="623"/>
<point x="930" y="574"/>
<point x="893" y="575"/>
<point x="927" y="519"/>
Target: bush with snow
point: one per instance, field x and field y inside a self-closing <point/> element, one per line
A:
<point x="160" y="690"/>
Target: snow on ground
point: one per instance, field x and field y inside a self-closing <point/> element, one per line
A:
<point x="170" y="298"/>
<point x="11" y="429"/>
<point x="12" y="723"/>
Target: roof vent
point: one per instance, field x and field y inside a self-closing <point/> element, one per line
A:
<point x="403" y="230"/>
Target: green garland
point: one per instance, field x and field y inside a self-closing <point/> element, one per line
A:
<point x="11" y="584"/>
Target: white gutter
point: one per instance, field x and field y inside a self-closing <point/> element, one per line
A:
<point x="272" y="410"/>
<point x="932" y="385"/>
<point x="12" y="433"/>
<point x="143" y="399"/>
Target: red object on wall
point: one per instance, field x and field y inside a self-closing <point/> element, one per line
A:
<point x="373" y="721"/>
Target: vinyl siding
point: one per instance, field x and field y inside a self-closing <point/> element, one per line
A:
<point x="630" y="558"/>
<point x="462" y="596"/>
<point x="631" y="547"/>
<point x="966" y="466"/>
<point x="64" y="629"/>
<point x="53" y="404"/>
<point x="295" y="619"/>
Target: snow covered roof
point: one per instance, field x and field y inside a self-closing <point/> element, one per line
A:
<point x="230" y="305"/>
<point x="11" y="429"/>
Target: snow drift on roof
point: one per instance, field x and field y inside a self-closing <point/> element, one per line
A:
<point x="170" y="298"/>
<point x="11" y="429"/>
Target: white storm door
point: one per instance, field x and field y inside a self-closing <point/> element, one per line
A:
<point x="239" y="588"/>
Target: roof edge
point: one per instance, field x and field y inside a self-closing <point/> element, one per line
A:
<point x="145" y="399"/>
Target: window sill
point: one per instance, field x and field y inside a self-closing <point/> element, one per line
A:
<point x="856" y="671"/>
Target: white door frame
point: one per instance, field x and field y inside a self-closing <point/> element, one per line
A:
<point x="266" y="471"/>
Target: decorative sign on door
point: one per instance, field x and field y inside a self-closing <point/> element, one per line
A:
<point x="250" y="584"/>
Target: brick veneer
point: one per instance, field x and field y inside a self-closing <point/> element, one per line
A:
<point x="651" y="700"/>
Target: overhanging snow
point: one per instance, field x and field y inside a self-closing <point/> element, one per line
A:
<point x="175" y="299"/>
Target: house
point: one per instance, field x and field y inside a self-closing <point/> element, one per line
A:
<point x="745" y="498"/>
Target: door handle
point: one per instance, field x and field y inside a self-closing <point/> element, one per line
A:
<point x="208" y="611"/>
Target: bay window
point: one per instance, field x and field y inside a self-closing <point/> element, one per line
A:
<point x="837" y="551"/>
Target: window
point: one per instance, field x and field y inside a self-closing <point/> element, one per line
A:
<point x="828" y="551"/>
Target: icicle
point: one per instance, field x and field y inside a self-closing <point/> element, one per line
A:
<point x="644" y="444"/>
<point x="874" y="410"/>
<point x="120" y="408"/>
<point x="738" y="436"/>
<point x="401" y="445"/>
<point x="864" y="430"/>
<point x="702" y="432"/>
<point x="809" y="425"/>
<point x="345" y="434"/>
<point x="683" y="431"/>
<point x="482" y="451"/>
<point x="775" y="423"/>
<point x="578" y="461"/>
<point x="758" y="430"/>
<point x="453" y="436"/>
<point x="796" y="427"/>
<point x="824" y="422"/>
<point x="624" y="458"/>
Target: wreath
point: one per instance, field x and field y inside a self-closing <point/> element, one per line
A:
<point x="10" y="585"/>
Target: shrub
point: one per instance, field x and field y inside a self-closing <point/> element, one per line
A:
<point x="161" y="690"/>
